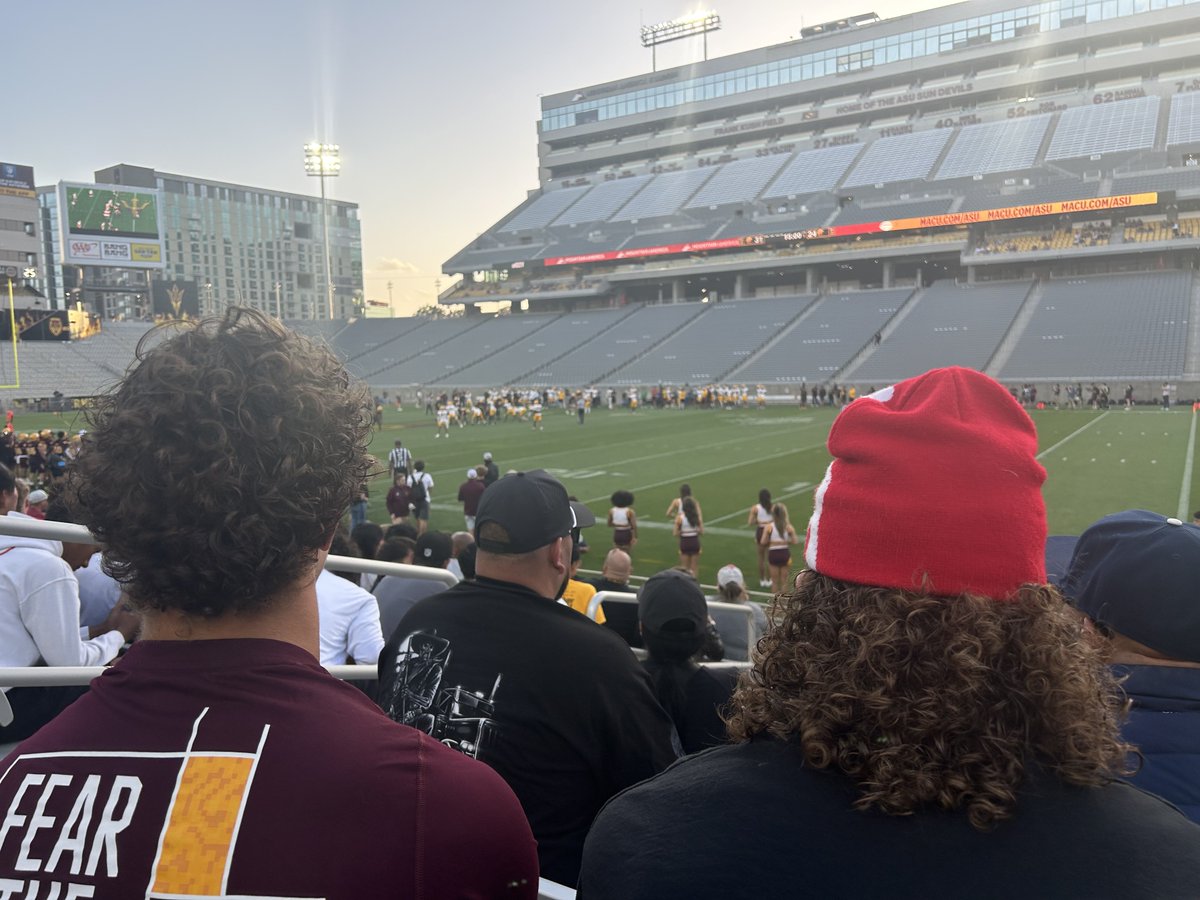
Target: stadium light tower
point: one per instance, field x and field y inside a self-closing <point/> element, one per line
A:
<point x="324" y="161"/>
<point x="676" y="30"/>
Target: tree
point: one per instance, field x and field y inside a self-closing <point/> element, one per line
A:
<point x="437" y="311"/>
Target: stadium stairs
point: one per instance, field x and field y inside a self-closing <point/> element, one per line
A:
<point x="524" y="379"/>
<point x="448" y="377"/>
<point x="864" y="352"/>
<point x="784" y="334"/>
<point x="1020" y="322"/>
<point x="1191" y="367"/>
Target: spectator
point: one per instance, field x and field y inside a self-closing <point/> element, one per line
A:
<point x="8" y="491"/>
<point x="39" y="620"/>
<point x="559" y="707"/>
<point x="226" y="687"/>
<point x="99" y="592"/>
<point x="348" y="616"/>
<point x="926" y="706"/>
<point x="366" y="538"/>
<point x="673" y="615"/>
<point x="35" y="506"/>
<point x="358" y="507"/>
<point x="1136" y="574"/>
<point x="466" y="562"/>
<point x="578" y="594"/>
<point x="397" y="594"/>
<point x="469" y="493"/>
<point x="614" y="577"/>
<point x="731" y="588"/>
<point x="459" y="541"/>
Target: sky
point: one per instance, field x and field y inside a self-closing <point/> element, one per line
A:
<point x="435" y="105"/>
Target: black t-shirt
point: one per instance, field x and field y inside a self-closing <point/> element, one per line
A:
<point x="753" y="820"/>
<point x="698" y="719"/>
<point x="555" y="703"/>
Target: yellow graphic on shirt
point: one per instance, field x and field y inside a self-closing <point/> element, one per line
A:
<point x="196" y="845"/>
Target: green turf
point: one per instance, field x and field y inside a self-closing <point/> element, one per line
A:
<point x="1103" y="462"/>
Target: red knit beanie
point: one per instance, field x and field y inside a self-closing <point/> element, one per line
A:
<point x="935" y="486"/>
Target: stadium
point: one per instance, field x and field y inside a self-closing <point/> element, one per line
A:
<point x="717" y="260"/>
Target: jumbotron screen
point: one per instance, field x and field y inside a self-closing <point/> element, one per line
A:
<point x="110" y="211"/>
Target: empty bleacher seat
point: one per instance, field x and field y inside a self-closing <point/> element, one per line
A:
<point x="664" y="195"/>
<point x="950" y="325"/>
<point x="720" y="337"/>
<point x="1107" y="326"/>
<point x="602" y="201"/>
<point x="1105" y="128"/>
<point x="814" y="170"/>
<point x="995" y="147"/>
<point x="738" y="182"/>
<point x="900" y="158"/>
<point x="1183" y="126"/>
<point x="836" y="328"/>
<point x="545" y="209"/>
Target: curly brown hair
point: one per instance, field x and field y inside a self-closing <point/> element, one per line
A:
<point x="927" y="701"/>
<point x="221" y="464"/>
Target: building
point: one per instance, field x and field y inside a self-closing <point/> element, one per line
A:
<point x="237" y="244"/>
<point x="20" y="249"/>
<point x="866" y="154"/>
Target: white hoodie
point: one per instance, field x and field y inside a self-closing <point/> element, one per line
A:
<point x="39" y="609"/>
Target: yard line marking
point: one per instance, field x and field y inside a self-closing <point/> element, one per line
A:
<point x="670" y="526"/>
<point x="1185" y="489"/>
<point x="706" y="472"/>
<point x="1073" y="434"/>
<point x="745" y="438"/>
<point x="802" y="488"/>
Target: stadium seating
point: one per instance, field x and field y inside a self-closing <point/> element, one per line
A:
<point x="995" y="147"/>
<point x="399" y="340"/>
<point x="526" y="356"/>
<point x="1183" y="126"/>
<point x="602" y="201"/>
<point x="813" y="170"/>
<point x="900" y="158"/>
<point x="545" y="209"/>
<point x="591" y="361"/>
<point x="713" y="343"/>
<point x="898" y="209"/>
<point x="1109" y="326"/>
<point x="1105" y="128"/>
<point x="738" y="182"/>
<point x="1181" y="180"/>
<point x="664" y="195"/>
<point x="948" y="325"/>
<point x="475" y="338"/>
<point x="834" y="329"/>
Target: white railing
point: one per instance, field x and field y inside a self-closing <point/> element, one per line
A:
<point x="727" y="611"/>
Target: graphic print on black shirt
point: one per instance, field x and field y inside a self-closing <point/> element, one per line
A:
<point x="460" y="718"/>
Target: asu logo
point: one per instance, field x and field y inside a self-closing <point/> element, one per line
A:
<point x="55" y="325"/>
<point x="175" y="294"/>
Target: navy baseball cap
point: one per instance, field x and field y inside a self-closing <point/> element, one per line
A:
<point x="526" y="510"/>
<point x="1138" y="574"/>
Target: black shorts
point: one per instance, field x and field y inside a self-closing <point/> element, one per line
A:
<point x="689" y="544"/>
<point x="623" y="537"/>
<point x="779" y="556"/>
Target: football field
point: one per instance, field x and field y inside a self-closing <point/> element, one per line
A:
<point x="1097" y="462"/>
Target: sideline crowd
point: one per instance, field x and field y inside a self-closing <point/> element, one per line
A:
<point x="923" y="712"/>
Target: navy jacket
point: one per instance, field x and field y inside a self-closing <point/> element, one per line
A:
<point x="1164" y="724"/>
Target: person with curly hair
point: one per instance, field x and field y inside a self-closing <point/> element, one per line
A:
<point x="214" y="476"/>
<point x="926" y="717"/>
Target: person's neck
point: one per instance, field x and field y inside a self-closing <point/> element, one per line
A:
<point x="291" y="617"/>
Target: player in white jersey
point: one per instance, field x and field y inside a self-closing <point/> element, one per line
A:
<point x="443" y="422"/>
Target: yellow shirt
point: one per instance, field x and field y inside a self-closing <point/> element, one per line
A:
<point x="578" y="595"/>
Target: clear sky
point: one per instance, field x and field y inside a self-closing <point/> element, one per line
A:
<point x="434" y="104"/>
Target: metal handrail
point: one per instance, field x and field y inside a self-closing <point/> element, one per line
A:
<point x="623" y="597"/>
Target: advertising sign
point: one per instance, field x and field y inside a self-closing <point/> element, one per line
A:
<point x="16" y="181"/>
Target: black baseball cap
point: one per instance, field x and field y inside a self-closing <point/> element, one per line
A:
<point x="434" y="549"/>
<point x="526" y="510"/>
<point x="669" y="596"/>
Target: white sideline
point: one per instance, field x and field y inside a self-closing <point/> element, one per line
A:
<point x="1185" y="489"/>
